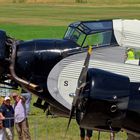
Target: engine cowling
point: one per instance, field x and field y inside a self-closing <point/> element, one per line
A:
<point x="104" y="101"/>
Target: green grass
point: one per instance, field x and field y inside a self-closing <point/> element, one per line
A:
<point x="31" y="21"/>
<point x="62" y="15"/>
<point x="43" y="128"/>
<point x="26" y="32"/>
<point x="49" y="128"/>
<point x="97" y="2"/>
<point x="27" y="21"/>
<point x="54" y="127"/>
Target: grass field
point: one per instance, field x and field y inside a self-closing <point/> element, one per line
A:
<point x="30" y="21"/>
<point x="27" y="21"/>
<point x="95" y="2"/>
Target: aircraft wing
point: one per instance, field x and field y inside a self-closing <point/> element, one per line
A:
<point x="127" y="32"/>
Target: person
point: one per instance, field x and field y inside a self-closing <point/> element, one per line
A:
<point x="21" y="121"/>
<point x="7" y="112"/>
<point x="131" y="57"/>
<point x="85" y="134"/>
<point x="28" y="97"/>
<point x="130" y="54"/>
<point x="2" y="133"/>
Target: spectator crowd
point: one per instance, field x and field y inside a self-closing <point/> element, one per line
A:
<point x="15" y="115"/>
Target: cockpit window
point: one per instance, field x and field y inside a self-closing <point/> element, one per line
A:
<point x="98" y="33"/>
<point x="75" y="35"/>
<point x="98" y="39"/>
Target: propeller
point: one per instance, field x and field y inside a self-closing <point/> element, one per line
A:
<point x="80" y="84"/>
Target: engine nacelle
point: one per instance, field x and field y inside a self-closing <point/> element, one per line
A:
<point x="104" y="100"/>
<point x="2" y="44"/>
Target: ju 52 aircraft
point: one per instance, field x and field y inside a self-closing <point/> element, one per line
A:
<point x="100" y="89"/>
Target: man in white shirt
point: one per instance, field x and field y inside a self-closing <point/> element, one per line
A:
<point x="21" y="122"/>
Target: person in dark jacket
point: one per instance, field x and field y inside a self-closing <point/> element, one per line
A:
<point x="85" y="134"/>
<point x="8" y="113"/>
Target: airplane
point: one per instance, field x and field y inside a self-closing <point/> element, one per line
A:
<point x="103" y="86"/>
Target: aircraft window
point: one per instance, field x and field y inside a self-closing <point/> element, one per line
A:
<point x="94" y="39"/>
<point x="98" y="39"/>
<point x="75" y="35"/>
<point x="84" y="28"/>
<point x="81" y="39"/>
<point x="99" y="26"/>
<point x="69" y="33"/>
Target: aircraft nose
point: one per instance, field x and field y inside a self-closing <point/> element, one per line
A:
<point x="2" y="44"/>
<point x="2" y="50"/>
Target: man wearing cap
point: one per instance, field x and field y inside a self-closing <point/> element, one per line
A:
<point x="21" y="122"/>
<point x="8" y="113"/>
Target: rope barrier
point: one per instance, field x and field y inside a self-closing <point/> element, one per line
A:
<point x="38" y="116"/>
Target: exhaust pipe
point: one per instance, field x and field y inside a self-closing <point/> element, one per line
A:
<point x="19" y="80"/>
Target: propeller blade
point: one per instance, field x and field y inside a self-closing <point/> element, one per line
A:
<point x="83" y="74"/>
<point x="81" y="83"/>
<point x="71" y="114"/>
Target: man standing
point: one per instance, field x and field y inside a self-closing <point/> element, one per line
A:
<point x="8" y="123"/>
<point x="28" y="97"/>
<point x="86" y="136"/>
<point x="21" y="122"/>
<point x="2" y="133"/>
